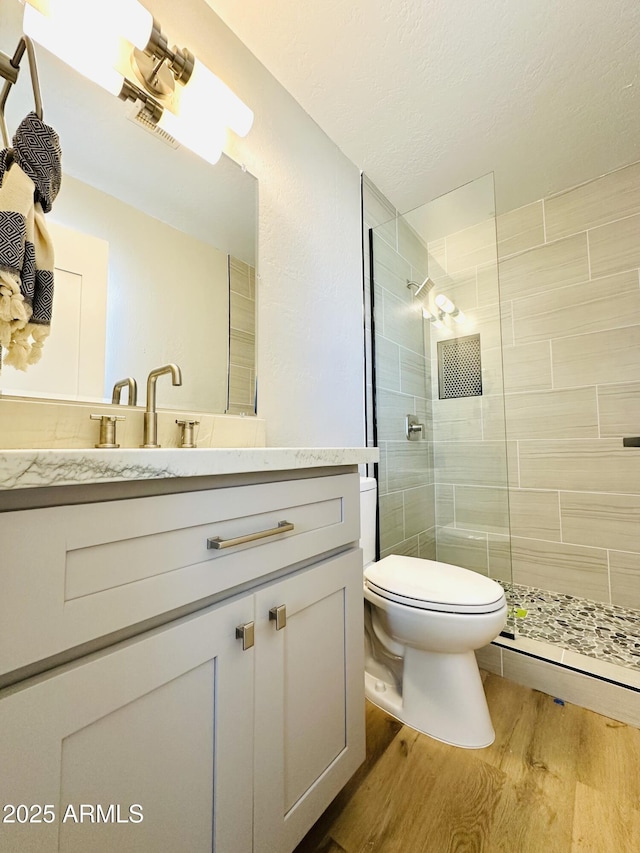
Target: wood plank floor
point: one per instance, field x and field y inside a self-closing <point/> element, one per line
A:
<point x="557" y="779"/>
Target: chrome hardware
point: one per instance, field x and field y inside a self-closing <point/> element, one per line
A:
<point x="279" y="616"/>
<point x="245" y="633"/>
<point x="218" y="543"/>
<point x="150" y="416"/>
<point x="186" y="433"/>
<point x="413" y="428"/>
<point x="107" y="429"/>
<point x="129" y="383"/>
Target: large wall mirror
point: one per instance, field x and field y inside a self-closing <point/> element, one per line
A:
<point x="155" y="254"/>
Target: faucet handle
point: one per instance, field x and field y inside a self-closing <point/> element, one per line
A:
<point x="107" y="429"/>
<point x="186" y="432"/>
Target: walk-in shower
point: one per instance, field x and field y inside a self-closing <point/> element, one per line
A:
<point x="514" y="341"/>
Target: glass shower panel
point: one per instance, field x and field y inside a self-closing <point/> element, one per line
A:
<point x="438" y="341"/>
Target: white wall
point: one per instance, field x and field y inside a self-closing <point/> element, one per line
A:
<point x="310" y="327"/>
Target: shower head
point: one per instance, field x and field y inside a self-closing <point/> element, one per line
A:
<point x="428" y="283"/>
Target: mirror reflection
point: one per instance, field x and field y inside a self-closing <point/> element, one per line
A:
<point x="155" y="254"/>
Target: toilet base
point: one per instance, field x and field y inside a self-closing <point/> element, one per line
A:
<point x="442" y="696"/>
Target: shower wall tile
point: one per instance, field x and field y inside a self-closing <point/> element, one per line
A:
<point x="401" y="322"/>
<point x="571" y="413"/>
<point x="379" y="212"/>
<point x="561" y="568"/>
<point x="488" y="322"/>
<point x="490" y="659"/>
<point x="615" y="247"/>
<point x="482" y="509"/>
<point x="392" y="410"/>
<point x="493" y="417"/>
<point x="597" y="358"/>
<point x="625" y="579"/>
<point x="601" y="520"/>
<point x="459" y="287"/>
<point x="520" y="229"/>
<point x="419" y="510"/>
<point x="406" y="548"/>
<point x="407" y="465"/>
<point x="437" y="256"/>
<point x="589" y="465"/>
<point x="610" y="197"/>
<point x="411" y="247"/>
<point x="527" y="367"/>
<point x="545" y="268"/>
<point x="619" y="409"/>
<point x="243" y="313"/>
<point x="242" y="349"/>
<point x="458" y="419"/>
<point x="492" y="371"/>
<point x="391" y="270"/>
<point x="488" y="284"/>
<point x="472" y="246"/>
<point x="499" y="550"/>
<point x="427" y="544"/>
<point x="387" y="364"/>
<point x="535" y="514"/>
<point x="414" y="370"/>
<point x="463" y="548"/>
<point x="475" y="463"/>
<point x="606" y="303"/>
<point x="513" y="464"/>
<point x="445" y="513"/>
<point x="391" y="515"/>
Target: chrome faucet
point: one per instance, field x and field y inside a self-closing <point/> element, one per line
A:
<point x="129" y="383"/>
<point x="150" y="416"/>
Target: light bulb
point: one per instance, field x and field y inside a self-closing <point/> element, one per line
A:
<point x="207" y="142"/>
<point x="459" y="317"/>
<point x="204" y="92"/>
<point x="446" y="304"/>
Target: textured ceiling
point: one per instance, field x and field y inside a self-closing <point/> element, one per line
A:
<point x="424" y="95"/>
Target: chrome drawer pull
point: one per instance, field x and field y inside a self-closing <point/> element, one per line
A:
<point x="217" y="542"/>
<point x="245" y="633"/>
<point x="279" y="616"/>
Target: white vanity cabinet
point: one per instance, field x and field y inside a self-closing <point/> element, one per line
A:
<point x="218" y="747"/>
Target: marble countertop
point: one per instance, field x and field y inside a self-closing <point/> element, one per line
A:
<point x="28" y="469"/>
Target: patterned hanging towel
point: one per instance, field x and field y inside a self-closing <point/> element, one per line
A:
<point x="30" y="176"/>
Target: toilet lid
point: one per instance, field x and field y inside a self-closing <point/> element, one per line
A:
<point x="431" y="585"/>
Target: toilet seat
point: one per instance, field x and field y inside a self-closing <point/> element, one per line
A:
<point x="430" y="585"/>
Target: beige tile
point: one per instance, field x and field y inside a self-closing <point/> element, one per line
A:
<point x="239" y="278"/>
<point x="463" y="548"/>
<point x="625" y="579"/>
<point x="597" y="358"/>
<point x="437" y="257"/>
<point x="526" y="645"/>
<point x="534" y="514"/>
<point x="419" y="510"/>
<point x="601" y="520"/>
<point x="500" y="568"/>
<point x="391" y="519"/>
<point x="603" y="668"/>
<point x="619" y="703"/>
<point x="490" y="658"/>
<point x="527" y="367"/>
<point x="402" y="322"/>
<point x="520" y="229"/>
<point x="407" y="465"/>
<point x="494" y="426"/>
<point x="241" y="390"/>
<point x="609" y="197"/>
<point x="392" y="271"/>
<point x="545" y="268"/>
<point x="606" y="303"/>
<point x="412" y="249"/>
<point x="615" y="247"/>
<point x="427" y="544"/>
<point x="459" y="287"/>
<point x="513" y="464"/>
<point x="413" y="373"/>
<point x="472" y="246"/>
<point x="243" y="313"/>
<point x="229" y="431"/>
<point x="471" y="463"/>
<point x="445" y="514"/>
<point x="387" y="364"/>
<point x="492" y="372"/>
<point x="619" y="409"/>
<point x="571" y="413"/>
<point x="242" y="348"/>
<point x="379" y="213"/>
<point x="487" y="323"/>
<point x="587" y="465"/>
<point x="479" y="508"/>
<point x="457" y="419"/>
<point x="569" y="569"/>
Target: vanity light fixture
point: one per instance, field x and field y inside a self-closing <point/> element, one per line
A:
<point x="446" y="306"/>
<point x="121" y="47"/>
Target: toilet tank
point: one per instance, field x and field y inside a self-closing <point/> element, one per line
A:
<point x="368" y="493"/>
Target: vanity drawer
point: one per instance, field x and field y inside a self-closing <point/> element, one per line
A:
<point x="72" y="574"/>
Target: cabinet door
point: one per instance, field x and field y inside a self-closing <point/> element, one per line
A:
<point x="162" y="722"/>
<point x="309" y="698"/>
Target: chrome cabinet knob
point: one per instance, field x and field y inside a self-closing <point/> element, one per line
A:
<point x="279" y="616"/>
<point x="246" y="634"/>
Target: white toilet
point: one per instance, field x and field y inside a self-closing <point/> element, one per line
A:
<point x="423" y="620"/>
